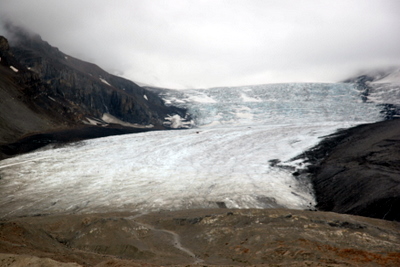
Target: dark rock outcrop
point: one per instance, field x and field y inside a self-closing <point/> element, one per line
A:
<point x="27" y="104"/>
<point x="44" y="91"/>
<point x="86" y="86"/>
<point x="357" y="171"/>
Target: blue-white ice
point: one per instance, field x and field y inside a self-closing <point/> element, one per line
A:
<point x="274" y="104"/>
<point x="225" y="158"/>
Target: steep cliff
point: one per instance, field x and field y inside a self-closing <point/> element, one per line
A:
<point x="26" y="103"/>
<point x="44" y="91"/>
<point x="86" y="86"/>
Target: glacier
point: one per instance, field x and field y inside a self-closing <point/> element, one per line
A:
<point x="225" y="158"/>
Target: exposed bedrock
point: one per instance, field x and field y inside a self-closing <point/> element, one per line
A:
<point x="44" y="91"/>
<point x="86" y="86"/>
<point x="360" y="171"/>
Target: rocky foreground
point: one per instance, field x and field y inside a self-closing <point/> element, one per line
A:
<point x="221" y="237"/>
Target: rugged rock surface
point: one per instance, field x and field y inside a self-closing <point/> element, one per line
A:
<point x="26" y="260"/>
<point x="357" y="171"/>
<point x="43" y="91"/>
<point x="25" y="104"/>
<point x="87" y="86"/>
<point x="207" y="237"/>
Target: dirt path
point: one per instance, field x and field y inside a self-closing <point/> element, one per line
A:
<point x="176" y="240"/>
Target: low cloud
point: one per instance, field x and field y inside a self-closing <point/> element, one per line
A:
<point x="187" y="44"/>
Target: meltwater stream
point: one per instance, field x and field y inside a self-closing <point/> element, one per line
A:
<point x="222" y="161"/>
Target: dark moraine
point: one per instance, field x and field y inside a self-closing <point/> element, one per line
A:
<point x="357" y="171"/>
<point x="59" y="137"/>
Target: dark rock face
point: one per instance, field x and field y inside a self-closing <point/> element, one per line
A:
<point x="26" y="103"/>
<point x="43" y="91"/>
<point x="87" y="86"/>
<point x="4" y="46"/>
<point x="357" y="171"/>
<point x="59" y="137"/>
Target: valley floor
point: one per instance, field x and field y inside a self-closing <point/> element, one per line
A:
<point x="223" y="237"/>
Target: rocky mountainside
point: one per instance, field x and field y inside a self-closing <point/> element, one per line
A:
<point x="380" y="86"/>
<point x="87" y="86"/>
<point x="25" y="102"/>
<point x="45" y="90"/>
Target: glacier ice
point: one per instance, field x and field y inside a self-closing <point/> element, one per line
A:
<point x="225" y="158"/>
<point x="274" y="104"/>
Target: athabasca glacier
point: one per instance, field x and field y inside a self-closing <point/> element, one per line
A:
<point x="223" y="160"/>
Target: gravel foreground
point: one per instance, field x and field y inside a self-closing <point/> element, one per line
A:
<point x="222" y="237"/>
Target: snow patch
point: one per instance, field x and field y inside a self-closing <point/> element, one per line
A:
<point x="111" y="119"/>
<point x="393" y="77"/>
<point x="145" y="97"/>
<point x="104" y="81"/>
<point x="247" y="98"/>
<point x="66" y="57"/>
<point x="202" y="98"/>
<point x="93" y="121"/>
<point x="14" y="68"/>
<point x="384" y="93"/>
<point x="176" y="122"/>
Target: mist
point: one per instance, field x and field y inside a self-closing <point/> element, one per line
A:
<point x="201" y="44"/>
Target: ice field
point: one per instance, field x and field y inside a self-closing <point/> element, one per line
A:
<point x="223" y="160"/>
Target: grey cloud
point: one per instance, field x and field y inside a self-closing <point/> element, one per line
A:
<point x="219" y="42"/>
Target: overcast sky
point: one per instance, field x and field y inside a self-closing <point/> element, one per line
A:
<point x="208" y="43"/>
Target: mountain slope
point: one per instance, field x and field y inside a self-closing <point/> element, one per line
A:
<point x="380" y="86"/>
<point x="358" y="171"/>
<point x="26" y="104"/>
<point x="44" y="91"/>
<point x="87" y="86"/>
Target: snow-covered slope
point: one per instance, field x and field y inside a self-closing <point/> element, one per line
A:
<point x="381" y="86"/>
<point x="227" y="159"/>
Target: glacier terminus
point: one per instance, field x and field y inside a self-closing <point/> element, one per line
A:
<point x="226" y="156"/>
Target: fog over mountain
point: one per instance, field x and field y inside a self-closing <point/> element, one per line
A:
<point x="201" y="44"/>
